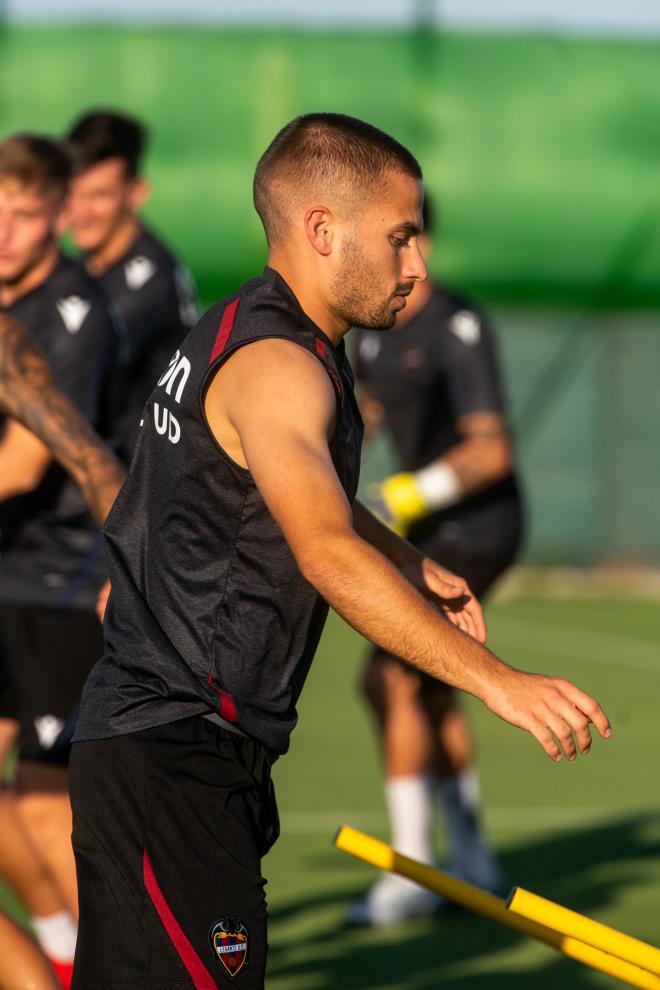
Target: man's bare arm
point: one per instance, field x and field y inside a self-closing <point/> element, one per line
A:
<point x="259" y="394"/>
<point x="29" y="396"/>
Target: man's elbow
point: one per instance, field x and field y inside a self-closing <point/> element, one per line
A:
<point x="22" y="483"/>
<point x="322" y="557"/>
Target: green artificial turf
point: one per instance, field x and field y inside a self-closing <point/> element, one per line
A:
<point x="585" y="834"/>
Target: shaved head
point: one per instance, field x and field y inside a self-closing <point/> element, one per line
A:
<point x="323" y="156"/>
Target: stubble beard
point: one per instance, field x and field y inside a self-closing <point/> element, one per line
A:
<point x="358" y="294"/>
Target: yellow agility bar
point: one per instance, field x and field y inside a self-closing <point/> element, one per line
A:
<point x="377" y="853"/>
<point x="527" y="905"/>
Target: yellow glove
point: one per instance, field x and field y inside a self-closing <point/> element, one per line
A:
<point x="397" y="501"/>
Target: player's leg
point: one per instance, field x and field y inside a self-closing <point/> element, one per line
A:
<point x="170" y="885"/>
<point x="42" y="797"/>
<point x="21" y="866"/>
<point x="456" y="786"/>
<point x="22" y="964"/>
<point x="50" y="652"/>
<point x="408" y="741"/>
<point x="59" y="650"/>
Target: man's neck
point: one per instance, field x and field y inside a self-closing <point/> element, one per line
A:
<point x="116" y="246"/>
<point x="310" y="300"/>
<point x="11" y="292"/>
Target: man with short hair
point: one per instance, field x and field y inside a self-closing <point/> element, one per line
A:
<point x="434" y="386"/>
<point x="153" y="293"/>
<point x="236" y="529"/>
<point x="51" y="564"/>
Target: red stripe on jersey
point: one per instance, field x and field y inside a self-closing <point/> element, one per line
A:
<point x="197" y="971"/>
<point x="226" y="704"/>
<point x="320" y="348"/>
<point x="227" y="321"/>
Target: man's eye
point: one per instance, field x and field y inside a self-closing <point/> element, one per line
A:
<point x="399" y="241"/>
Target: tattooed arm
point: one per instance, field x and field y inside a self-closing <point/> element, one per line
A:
<point x="30" y="397"/>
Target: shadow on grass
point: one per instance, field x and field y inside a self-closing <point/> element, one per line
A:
<point x="446" y="950"/>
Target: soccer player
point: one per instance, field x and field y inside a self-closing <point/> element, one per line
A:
<point x="29" y="395"/>
<point x="236" y="529"/>
<point x="150" y="289"/>
<point x="434" y="383"/>
<point x="52" y="564"/>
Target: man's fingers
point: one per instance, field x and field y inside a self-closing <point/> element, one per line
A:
<point x="588" y="706"/>
<point x="562" y="731"/>
<point x="544" y="736"/>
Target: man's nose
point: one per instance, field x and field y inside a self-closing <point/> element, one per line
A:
<point x="415" y="267"/>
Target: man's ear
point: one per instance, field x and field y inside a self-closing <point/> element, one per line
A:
<point x="319" y="227"/>
<point x="139" y="193"/>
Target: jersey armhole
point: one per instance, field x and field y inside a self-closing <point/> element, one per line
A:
<point x="221" y="354"/>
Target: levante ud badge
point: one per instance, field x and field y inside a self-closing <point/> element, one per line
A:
<point x="229" y="939"/>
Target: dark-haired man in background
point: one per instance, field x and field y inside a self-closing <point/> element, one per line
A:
<point x="51" y="564"/>
<point x="152" y="292"/>
<point x="434" y="385"/>
<point x="235" y="530"/>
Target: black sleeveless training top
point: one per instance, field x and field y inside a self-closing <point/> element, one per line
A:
<point x="209" y="611"/>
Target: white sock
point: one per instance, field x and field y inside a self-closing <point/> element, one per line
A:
<point x="410" y="807"/>
<point x="56" y="934"/>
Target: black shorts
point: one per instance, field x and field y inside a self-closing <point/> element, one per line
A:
<point x="169" y="827"/>
<point x="45" y="656"/>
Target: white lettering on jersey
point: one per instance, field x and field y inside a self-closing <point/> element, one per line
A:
<point x="369" y="347"/>
<point x="73" y="311"/>
<point x="465" y="325"/>
<point x="178" y="366"/>
<point x="166" y="423"/>
<point x="48" y="728"/>
<point x="138" y="271"/>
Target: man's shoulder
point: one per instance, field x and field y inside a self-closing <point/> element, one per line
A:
<point x="262" y="306"/>
<point x="458" y="317"/>
<point x="69" y="300"/>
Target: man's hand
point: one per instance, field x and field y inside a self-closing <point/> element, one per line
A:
<point x="554" y="711"/>
<point x="450" y="593"/>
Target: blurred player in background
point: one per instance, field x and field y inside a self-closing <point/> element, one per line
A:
<point x="434" y="385"/>
<point x="29" y="395"/>
<point x="236" y="529"/>
<point x="149" y="288"/>
<point x="52" y="563"/>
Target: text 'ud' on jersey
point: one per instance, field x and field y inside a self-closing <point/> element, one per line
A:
<point x="51" y="549"/>
<point x="209" y="611"/>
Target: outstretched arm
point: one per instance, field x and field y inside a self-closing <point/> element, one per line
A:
<point x="44" y="423"/>
<point x="254" y="405"/>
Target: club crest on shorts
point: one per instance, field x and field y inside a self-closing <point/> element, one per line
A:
<point x="229" y="939"/>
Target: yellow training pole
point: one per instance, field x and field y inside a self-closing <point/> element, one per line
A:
<point x="535" y="908"/>
<point x="379" y="854"/>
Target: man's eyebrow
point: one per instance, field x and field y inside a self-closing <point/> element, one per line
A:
<point x="408" y="228"/>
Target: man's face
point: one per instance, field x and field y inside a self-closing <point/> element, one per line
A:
<point x="101" y="199"/>
<point x="28" y="227"/>
<point x="380" y="258"/>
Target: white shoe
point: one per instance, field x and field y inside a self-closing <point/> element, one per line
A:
<point x="391" y="900"/>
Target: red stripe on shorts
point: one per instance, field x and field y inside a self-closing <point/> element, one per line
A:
<point x="197" y="971"/>
<point x="226" y="326"/>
